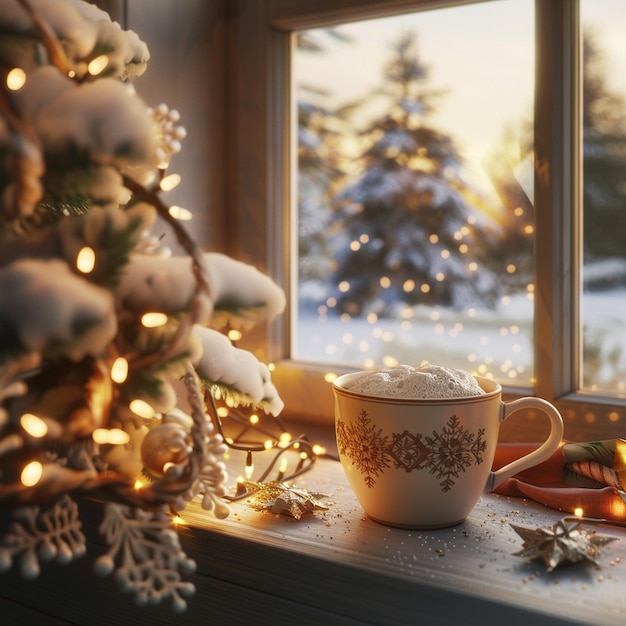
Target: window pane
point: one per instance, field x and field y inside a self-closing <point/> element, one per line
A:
<point x="604" y="195"/>
<point x="414" y="190"/>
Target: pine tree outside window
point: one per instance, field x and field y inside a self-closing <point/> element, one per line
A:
<point x="561" y="318"/>
<point x="426" y="229"/>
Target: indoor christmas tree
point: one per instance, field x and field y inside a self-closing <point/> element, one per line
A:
<point x="109" y="344"/>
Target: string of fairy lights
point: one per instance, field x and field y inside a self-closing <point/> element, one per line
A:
<point x="253" y="434"/>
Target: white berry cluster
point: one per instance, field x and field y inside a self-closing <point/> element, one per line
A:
<point x="169" y="134"/>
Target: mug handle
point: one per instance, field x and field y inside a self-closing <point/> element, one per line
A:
<point x="545" y="451"/>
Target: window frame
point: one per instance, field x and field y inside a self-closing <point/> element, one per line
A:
<point x="259" y="196"/>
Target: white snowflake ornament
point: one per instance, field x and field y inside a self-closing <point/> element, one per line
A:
<point x="149" y="555"/>
<point x="38" y="536"/>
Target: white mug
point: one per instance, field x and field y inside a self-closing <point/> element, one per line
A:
<point x="425" y="463"/>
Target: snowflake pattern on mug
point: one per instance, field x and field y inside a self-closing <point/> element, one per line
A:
<point x="366" y="446"/>
<point x="446" y="454"/>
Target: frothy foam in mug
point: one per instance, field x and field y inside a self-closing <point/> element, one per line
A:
<point x="426" y="382"/>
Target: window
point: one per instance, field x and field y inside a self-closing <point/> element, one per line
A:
<point x="604" y="195"/>
<point x="259" y="161"/>
<point x="414" y="190"/>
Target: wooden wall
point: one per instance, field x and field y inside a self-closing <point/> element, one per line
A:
<point x="186" y="71"/>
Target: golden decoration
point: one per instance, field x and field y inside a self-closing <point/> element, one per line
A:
<point x="282" y="498"/>
<point x="564" y="542"/>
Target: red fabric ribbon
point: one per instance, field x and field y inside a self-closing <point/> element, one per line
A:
<point x="545" y="484"/>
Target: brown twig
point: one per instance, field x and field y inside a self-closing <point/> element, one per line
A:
<point x="50" y="40"/>
<point x="23" y="135"/>
<point x="199" y="269"/>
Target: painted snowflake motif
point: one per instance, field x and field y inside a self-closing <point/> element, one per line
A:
<point x="407" y="451"/>
<point x="446" y="454"/>
<point x="365" y="445"/>
<point x="452" y="451"/>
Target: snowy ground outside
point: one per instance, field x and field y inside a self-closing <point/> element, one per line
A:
<point x="497" y="342"/>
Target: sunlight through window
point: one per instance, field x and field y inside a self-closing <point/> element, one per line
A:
<point x="415" y="190"/>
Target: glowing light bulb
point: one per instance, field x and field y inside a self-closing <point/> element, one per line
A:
<point x="180" y="213"/>
<point x="170" y="182"/>
<point x="118" y="437"/>
<point x="99" y="435"/>
<point x="153" y="319"/>
<point x="31" y="474"/>
<point x="282" y="469"/>
<point x="254" y="419"/>
<point x="319" y="450"/>
<point x="249" y="469"/>
<point x="119" y="370"/>
<point x="33" y="425"/>
<point x="86" y="260"/>
<point x="16" y="79"/>
<point x="234" y="335"/>
<point x="330" y="376"/>
<point x="142" y="409"/>
<point x="112" y="436"/>
<point x="578" y="511"/>
<point x="97" y="65"/>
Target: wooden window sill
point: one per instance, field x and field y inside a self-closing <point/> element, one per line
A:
<point x="349" y="568"/>
<point x="338" y="567"/>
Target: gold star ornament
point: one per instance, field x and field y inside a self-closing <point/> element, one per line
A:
<point x="283" y="498"/>
<point x="565" y="542"/>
